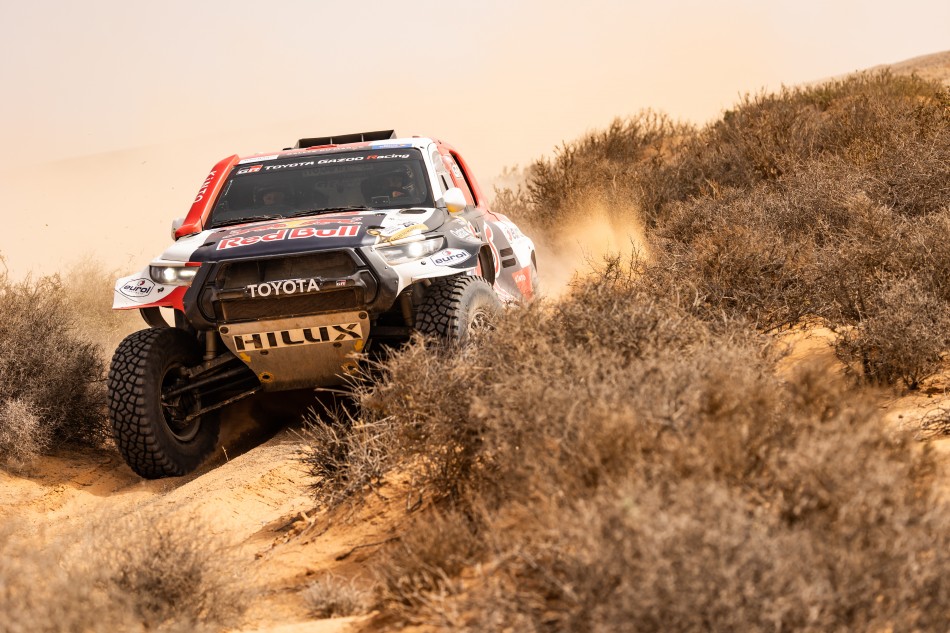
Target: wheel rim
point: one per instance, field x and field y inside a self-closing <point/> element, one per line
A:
<point x="176" y="409"/>
<point x="481" y="320"/>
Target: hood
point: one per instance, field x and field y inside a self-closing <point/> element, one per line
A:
<point x="327" y="231"/>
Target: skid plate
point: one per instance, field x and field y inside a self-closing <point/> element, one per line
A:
<point x="299" y="352"/>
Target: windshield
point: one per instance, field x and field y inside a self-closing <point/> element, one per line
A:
<point x="295" y="185"/>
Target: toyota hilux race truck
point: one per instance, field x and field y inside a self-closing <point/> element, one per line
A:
<point x="289" y="267"/>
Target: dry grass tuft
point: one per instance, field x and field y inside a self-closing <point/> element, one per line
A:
<point x="333" y="597"/>
<point x="47" y="366"/>
<point x="53" y="332"/>
<point x="22" y="434"/>
<point x="346" y="457"/>
<point x="134" y="573"/>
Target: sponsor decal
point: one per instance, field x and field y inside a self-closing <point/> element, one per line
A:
<point x="467" y="234"/>
<point x="523" y="281"/>
<point x="299" y="336"/>
<point x="289" y="234"/>
<point x="285" y="287"/>
<point x="382" y="157"/>
<point x="257" y="159"/>
<point x="293" y="224"/>
<point x="398" y="232"/>
<point x="389" y="145"/>
<point x="204" y="187"/>
<point x="436" y="159"/>
<point x="345" y="159"/>
<point x="306" y="163"/>
<point x="249" y="170"/>
<point x="512" y="232"/>
<point x="137" y="288"/>
<point x="341" y="282"/>
<point x="449" y="256"/>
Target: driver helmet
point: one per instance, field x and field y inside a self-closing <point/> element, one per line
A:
<point x="271" y="195"/>
<point x="399" y="179"/>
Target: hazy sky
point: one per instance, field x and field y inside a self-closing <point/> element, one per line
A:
<point x="504" y="81"/>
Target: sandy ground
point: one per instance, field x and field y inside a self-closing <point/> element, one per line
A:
<point x="257" y="499"/>
<point x="903" y="411"/>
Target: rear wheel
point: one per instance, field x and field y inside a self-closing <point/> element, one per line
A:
<point x="151" y="410"/>
<point x="455" y="306"/>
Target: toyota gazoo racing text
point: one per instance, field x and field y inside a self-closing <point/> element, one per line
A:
<point x="292" y="264"/>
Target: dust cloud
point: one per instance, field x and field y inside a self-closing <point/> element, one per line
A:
<point x="576" y="249"/>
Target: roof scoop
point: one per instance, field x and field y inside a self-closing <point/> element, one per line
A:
<point x="342" y="139"/>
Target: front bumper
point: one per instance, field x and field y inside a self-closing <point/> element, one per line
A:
<point x="252" y="289"/>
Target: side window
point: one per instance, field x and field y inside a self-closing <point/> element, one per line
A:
<point x="459" y="178"/>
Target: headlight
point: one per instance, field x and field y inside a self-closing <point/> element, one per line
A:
<point x="173" y="275"/>
<point x="409" y="251"/>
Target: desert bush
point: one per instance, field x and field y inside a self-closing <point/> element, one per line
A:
<point x="171" y="569"/>
<point x="331" y="597"/>
<point x="22" y="435"/>
<point x="628" y="456"/>
<point x="46" y="362"/>
<point x="89" y="290"/>
<point x="614" y="461"/>
<point x="39" y="594"/>
<point x="903" y="336"/>
<point x="796" y="204"/>
<point x="346" y="457"/>
<point x="133" y="573"/>
<point x="876" y="121"/>
<point x="428" y="559"/>
<point x="605" y="167"/>
<point x="855" y="202"/>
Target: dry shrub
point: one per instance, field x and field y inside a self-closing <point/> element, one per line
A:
<point x="38" y="594"/>
<point x="614" y="461"/>
<point x="346" y="457"/>
<point x="333" y="597"/>
<point x="876" y="121"/>
<point x="427" y="560"/>
<point x="609" y="167"/>
<point x="795" y="204"/>
<point x="89" y="290"/>
<point x="134" y="573"/>
<point x="46" y="362"/>
<point x="628" y="457"/>
<point x="173" y="569"/>
<point x="903" y="336"/>
<point x="22" y="435"/>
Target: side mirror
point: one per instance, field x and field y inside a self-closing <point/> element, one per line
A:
<point x="176" y="224"/>
<point x="454" y="200"/>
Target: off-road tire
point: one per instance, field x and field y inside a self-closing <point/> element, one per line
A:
<point x="454" y="306"/>
<point x="149" y="437"/>
<point x="535" y="280"/>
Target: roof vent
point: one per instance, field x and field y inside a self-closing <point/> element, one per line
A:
<point x="342" y="139"/>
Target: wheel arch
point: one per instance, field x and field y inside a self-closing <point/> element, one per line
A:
<point x="486" y="262"/>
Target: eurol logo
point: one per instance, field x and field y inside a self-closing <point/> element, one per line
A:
<point x="449" y="256"/>
<point x="137" y="288"/>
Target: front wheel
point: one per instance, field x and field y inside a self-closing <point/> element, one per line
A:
<point x="455" y="306"/>
<point x="151" y="410"/>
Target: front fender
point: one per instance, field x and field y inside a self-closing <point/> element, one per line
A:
<point x="139" y="291"/>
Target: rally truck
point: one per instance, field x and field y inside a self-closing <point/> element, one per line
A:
<point x="292" y="266"/>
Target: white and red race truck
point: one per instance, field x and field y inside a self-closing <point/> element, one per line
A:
<point x="293" y="264"/>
